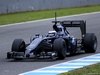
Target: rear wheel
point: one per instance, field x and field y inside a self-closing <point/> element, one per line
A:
<point x="60" y="47"/>
<point x="18" y="46"/>
<point x="90" y="43"/>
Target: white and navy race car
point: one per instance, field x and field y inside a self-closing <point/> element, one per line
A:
<point x="56" y="44"/>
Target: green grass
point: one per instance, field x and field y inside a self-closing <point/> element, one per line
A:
<point x="89" y="70"/>
<point x="29" y="16"/>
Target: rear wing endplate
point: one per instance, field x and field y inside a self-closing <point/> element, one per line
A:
<point x="76" y="23"/>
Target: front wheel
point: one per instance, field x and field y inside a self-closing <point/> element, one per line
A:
<point x="90" y="43"/>
<point x="18" y="46"/>
<point x="60" y="47"/>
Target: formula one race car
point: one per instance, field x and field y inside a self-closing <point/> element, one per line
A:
<point x="56" y="44"/>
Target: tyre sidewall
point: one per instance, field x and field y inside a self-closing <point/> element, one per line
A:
<point x="89" y="40"/>
<point x="17" y="44"/>
<point x="59" y="48"/>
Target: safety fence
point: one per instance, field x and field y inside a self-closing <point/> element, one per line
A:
<point x="11" y="6"/>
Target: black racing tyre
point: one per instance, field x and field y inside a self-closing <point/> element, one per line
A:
<point x="18" y="45"/>
<point x="90" y="43"/>
<point x="59" y="45"/>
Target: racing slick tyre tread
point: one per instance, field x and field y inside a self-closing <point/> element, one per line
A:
<point x="90" y="42"/>
<point x="60" y="47"/>
<point x="18" y="46"/>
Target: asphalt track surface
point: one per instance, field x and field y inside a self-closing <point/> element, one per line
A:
<point x="27" y="30"/>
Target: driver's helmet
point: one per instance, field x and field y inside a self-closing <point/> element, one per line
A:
<point x="52" y="33"/>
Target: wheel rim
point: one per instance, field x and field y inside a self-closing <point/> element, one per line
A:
<point x="64" y="49"/>
<point x="95" y="44"/>
<point x="22" y="47"/>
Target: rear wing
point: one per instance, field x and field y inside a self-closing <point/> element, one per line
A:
<point x="76" y="23"/>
